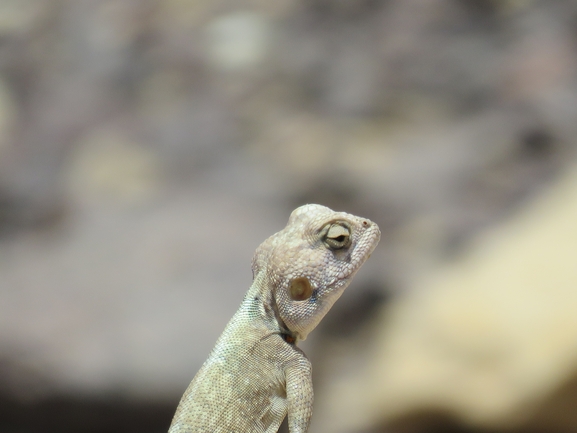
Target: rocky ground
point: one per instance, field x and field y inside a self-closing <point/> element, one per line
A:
<point x="148" y="147"/>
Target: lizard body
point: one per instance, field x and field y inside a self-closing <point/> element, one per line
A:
<point x="256" y="375"/>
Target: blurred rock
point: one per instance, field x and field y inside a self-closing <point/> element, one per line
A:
<point x="490" y="339"/>
<point x="19" y="16"/>
<point x="8" y="114"/>
<point x="238" y="41"/>
<point x="107" y="166"/>
<point x="127" y="299"/>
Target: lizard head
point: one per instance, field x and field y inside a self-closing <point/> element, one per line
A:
<point x="309" y="263"/>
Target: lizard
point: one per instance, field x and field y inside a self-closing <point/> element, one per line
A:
<point x="256" y="374"/>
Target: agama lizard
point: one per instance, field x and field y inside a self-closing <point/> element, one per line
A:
<point x="256" y="374"/>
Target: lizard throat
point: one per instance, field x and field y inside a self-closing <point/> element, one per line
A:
<point x="286" y="333"/>
<point x="264" y="301"/>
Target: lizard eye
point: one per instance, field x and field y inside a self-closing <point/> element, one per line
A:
<point x="337" y="237"/>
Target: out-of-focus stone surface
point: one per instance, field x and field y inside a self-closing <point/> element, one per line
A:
<point x="149" y="312"/>
<point x="17" y="17"/>
<point x="489" y="338"/>
<point x="7" y="115"/>
<point x="238" y="41"/>
<point x="105" y="166"/>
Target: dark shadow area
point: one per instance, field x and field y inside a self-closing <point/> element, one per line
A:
<point x="431" y="422"/>
<point x="558" y="412"/>
<point x="555" y="416"/>
<point x="69" y="414"/>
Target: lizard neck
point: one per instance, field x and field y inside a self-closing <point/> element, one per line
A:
<point x="261" y="304"/>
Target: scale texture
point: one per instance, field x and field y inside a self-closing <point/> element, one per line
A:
<point x="256" y="375"/>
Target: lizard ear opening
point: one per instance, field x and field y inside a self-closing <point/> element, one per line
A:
<point x="300" y="289"/>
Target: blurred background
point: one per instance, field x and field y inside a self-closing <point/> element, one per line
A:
<point x="148" y="147"/>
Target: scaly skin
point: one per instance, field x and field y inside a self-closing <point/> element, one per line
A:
<point x="256" y="374"/>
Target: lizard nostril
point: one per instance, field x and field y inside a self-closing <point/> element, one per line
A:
<point x="365" y="223"/>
